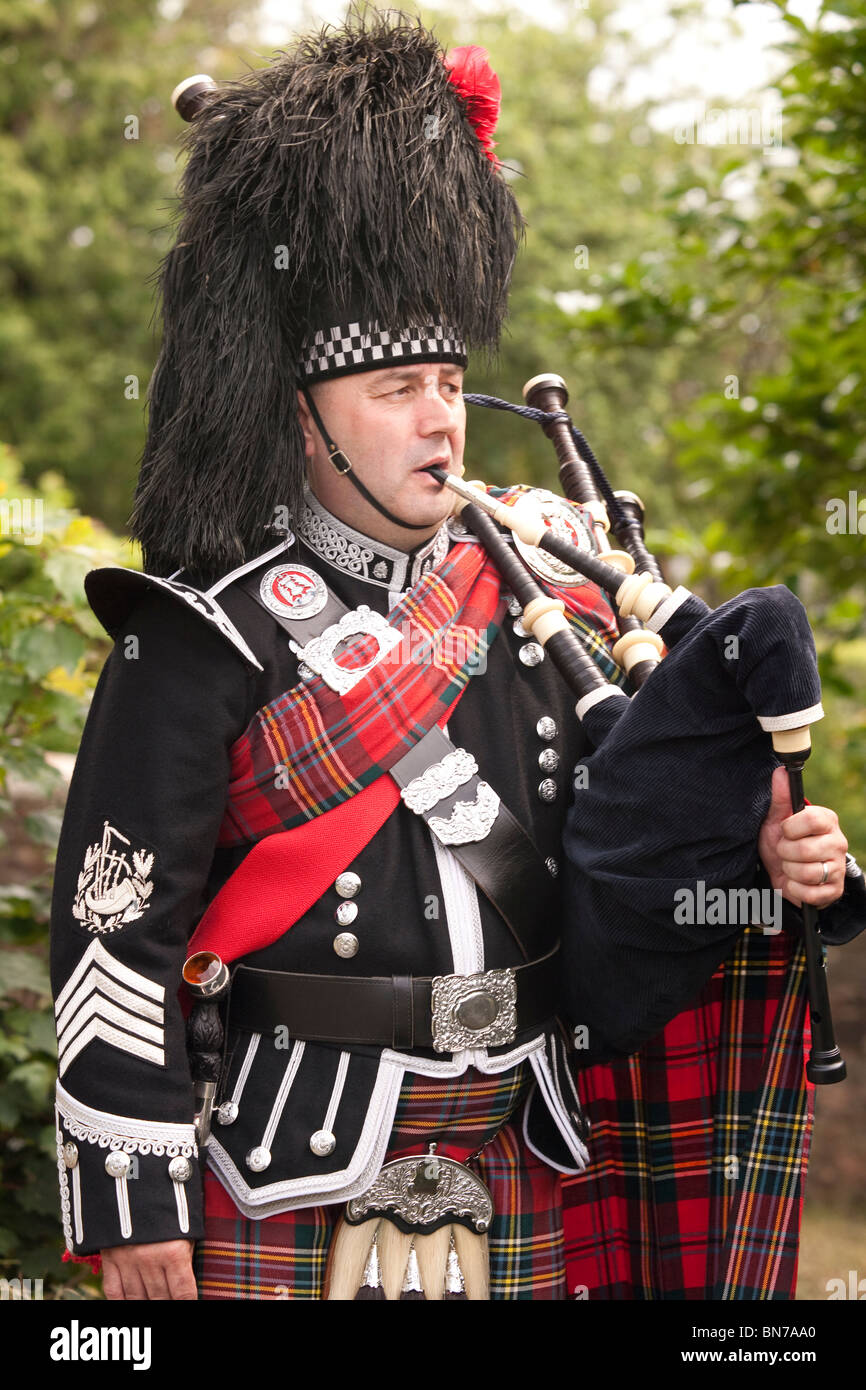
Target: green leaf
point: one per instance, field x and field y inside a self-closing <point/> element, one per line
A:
<point x="67" y="569"/>
<point x="40" y="648"/>
<point x="47" y="1141"/>
<point x="34" y="1077"/>
<point x="41" y="1033"/>
<point x="21" y="970"/>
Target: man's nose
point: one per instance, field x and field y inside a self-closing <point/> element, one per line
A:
<point x="439" y="412"/>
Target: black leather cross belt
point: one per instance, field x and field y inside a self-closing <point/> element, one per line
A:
<point x="447" y="1012"/>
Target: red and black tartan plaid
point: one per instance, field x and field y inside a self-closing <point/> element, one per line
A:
<point x="694" y="1190"/>
<point x="699" y="1145"/>
<point x="284" y="1256"/>
<point x="336" y="745"/>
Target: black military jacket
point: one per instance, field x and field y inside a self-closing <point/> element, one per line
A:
<point x="138" y="863"/>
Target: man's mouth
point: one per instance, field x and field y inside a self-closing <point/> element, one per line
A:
<point x="434" y="463"/>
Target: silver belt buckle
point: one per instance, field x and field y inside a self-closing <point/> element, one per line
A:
<point x="474" y="1010"/>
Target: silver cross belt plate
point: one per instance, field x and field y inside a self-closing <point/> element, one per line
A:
<point x="474" y="1010"/>
<point x="422" y="1193"/>
<point x="318" y="653"/>
<point x="468" y="821"/>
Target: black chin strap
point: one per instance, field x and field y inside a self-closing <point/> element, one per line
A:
<point x="344" y="467"/>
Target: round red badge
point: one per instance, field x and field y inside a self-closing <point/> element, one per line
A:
<point x="295" y="589"/>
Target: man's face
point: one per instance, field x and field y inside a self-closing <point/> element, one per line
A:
<point x="391" y="424"/>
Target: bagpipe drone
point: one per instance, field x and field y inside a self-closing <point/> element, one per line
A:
<point x="671" y="797"/>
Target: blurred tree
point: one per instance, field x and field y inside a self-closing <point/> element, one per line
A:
<point x="51" y="651"/>
<point x="763" y="280"/>
<point x="87" y="169"/>
<point x="88" y="164"/>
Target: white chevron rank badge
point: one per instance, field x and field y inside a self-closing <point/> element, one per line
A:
<point x="103" y="998"/>
<point x="112" y="888"/>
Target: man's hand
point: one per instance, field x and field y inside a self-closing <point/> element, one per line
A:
<point x="792" y="848"/>
<point x="162" y="1270"/>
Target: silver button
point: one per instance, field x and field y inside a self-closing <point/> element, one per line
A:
<point x="180" y="1169"/>
<point x="346" y="913"/>
<point x="347" y="884"/>
<point x="531" y="654"/>
<point x="546" y="728"/>
<point x="346" y="945"/>
<point x="305" y="672"/>
<point x="548" y="760"/>
<point x="117" y="1165"/>
<point x="517" y="626"/>
<point x="70" y="1154"/>
<point x="547" y="790"/>
<point x="552" y="866"/>
<point x="515" y="607"/>
<point x="322" y="1143"/>
<point x="259" y="1159"/>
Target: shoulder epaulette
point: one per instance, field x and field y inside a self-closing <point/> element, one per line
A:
<point x="112" y="592"/>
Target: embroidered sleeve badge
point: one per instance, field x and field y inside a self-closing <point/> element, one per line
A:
<point x="112" y="890"/>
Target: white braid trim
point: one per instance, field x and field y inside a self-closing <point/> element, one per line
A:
<point x="63" y="1175"/>
<point x="123" y="1133"/>
<point x="667" y="608"/>
<point x="601" y="692"/>
<point x="774" y="723"/>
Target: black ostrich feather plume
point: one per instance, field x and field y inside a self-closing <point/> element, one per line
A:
<point x="345" y="172"/>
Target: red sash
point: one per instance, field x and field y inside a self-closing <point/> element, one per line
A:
<point x="284" y="874"/>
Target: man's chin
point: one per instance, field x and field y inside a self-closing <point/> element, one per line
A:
<point x="425" y="503"/>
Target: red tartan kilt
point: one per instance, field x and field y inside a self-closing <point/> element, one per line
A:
<point x="699" y="1148"/>
<point x="284" y="1256"/>
<point x="699" y="1145"/>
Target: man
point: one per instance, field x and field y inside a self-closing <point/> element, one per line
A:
<point x="243" y="770"/>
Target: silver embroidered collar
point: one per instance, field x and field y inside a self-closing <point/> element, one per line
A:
<point x="351" y="551"/>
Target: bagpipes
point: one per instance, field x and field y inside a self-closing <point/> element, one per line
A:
<point x="670" y="799"/>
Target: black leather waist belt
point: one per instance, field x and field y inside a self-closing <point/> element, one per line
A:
<point x="447" y="1012"/>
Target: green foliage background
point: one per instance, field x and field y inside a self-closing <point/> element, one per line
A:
<point x="704" y="302"/>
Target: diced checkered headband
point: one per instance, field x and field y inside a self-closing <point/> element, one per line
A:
<point x="344" y="349"/>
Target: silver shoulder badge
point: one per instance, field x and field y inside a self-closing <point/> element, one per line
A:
<point x="570" y="523"/>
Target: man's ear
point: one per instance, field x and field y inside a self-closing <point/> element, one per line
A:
<point x="306" y="421"/>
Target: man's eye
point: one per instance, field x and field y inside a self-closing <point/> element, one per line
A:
<point x="454" y="387"/>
